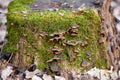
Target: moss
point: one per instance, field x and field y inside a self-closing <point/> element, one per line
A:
<point x="33" y="23"/>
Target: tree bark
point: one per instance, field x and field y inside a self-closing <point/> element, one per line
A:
<point x="108" y="23"/>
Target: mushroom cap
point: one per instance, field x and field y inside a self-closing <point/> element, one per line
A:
<point x="55" y="35"/>
<point x="70" y="43"/>
<point x="53" y="59"/>
<point x="56" y="50"/>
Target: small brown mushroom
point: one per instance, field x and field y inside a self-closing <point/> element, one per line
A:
<point x="58" y="34"/>
<point x="73" y="30"/>
<point x="56" y="50"/>
<point x="43" y="35"/>
<point x="53" y="59"/>
<point x="70" y="43"/>
<point x="57" y="37"/>
<point x="54" y="35"/>
<point x="51" y="40"/>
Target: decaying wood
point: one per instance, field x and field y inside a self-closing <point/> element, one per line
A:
<point x="21" y="59"/>
<point x="108" y="23"/>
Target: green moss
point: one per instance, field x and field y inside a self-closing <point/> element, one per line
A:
<point x="33" y="23"/>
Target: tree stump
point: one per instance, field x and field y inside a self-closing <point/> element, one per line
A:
<point x="53" y="41"/>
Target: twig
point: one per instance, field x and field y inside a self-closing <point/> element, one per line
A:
<point x="10" y="58"/>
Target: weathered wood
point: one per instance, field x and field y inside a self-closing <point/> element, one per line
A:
<point x="108" y="23"/>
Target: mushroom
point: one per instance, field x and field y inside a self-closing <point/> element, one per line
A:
<point x="70" y="43"/>
<point x="51" y="40"/>
<point x="57" y="34"/>
<point x="73" y="30"/>
<point x="43" y="35"/>
<point x="53" y="59"/>
<point x="56" y="50"/>
<point x="59" y="38"/>
<point x="56" y="37"/>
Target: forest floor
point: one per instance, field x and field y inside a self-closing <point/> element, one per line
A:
<point x="46" y="4"/>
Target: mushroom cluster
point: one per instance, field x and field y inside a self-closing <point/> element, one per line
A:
<point x="61" y="37"/>
<point x="73" y="30"/>
<point x="57" y="37"/>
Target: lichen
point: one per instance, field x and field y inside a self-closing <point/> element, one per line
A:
<point x="33" y="23"/>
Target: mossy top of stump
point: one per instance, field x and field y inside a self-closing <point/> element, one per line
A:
<point x="65" y="38"/>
